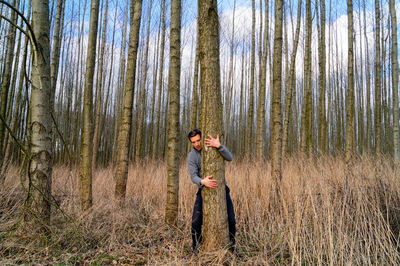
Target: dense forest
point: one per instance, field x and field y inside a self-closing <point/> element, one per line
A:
<point x="97" y="98"/>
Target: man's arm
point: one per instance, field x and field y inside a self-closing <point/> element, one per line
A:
<point x="225" y="153"/>
<point x="194" y="175"/>
<point x="214" y="142"/>
<point x="193" y="170"/>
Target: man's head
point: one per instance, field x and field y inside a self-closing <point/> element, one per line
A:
<point x="195" y="138"/>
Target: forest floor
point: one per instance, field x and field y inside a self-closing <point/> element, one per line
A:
<point x="327" y="215"/>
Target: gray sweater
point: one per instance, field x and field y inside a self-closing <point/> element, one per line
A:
<point x="194" y="163"/>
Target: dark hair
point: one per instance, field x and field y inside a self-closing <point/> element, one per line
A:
<point x="193" y="133"/>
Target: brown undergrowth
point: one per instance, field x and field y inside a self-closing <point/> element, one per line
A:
<point x="327" y="215"/>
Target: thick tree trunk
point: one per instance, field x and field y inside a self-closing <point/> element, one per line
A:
<point x="215" y="218"/>
<point x="171" y="208"/>
<point x="40" y="125"/>
<point x="126" y="119"/>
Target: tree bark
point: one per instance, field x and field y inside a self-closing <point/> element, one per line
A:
<point x="6" y="80"/>
<point x="263" y="85"/>
<point x="306" y="126"/>
<point x="350" y="123"/>
<point x="250" y="119"/>
<point x="395" y="80"/>
<point x="40" y="125"/>
<point x="171" y="208"/>
<point x="126" y="119"/>
<point x="378" y="86"/>
<point x="291" y="81"/>
<point x="156" y="148"/>
<point x="97" y="133"/>
<point x="215" y="218"/>
<point x="85" y="173"/>
<point x="276" y="117"/>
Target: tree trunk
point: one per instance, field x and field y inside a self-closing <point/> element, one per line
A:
<point x="171" y="208"/>
<point x="263" y="85"/>
<point x="140" y="141"/>
<point x="322" y="130"/>
<point x="156" y="148"/>
<point x="292" y="82"/>
<point x="126" y="119"/>
<point x="97" y="132"/>
<point x="55" y="58"/>
<point x="395" y="80"/>
<point x="306" y="127"/>
<point x="215" y="218"/>
<point x="276" y="118"/>
<point x="6" y="79"/>
<point x="378" y="86"/>
<point x="350" y="90"/>
<point x="85" y="173"/>
<point x="250" y="119"/>
<point x="40" y="167"/>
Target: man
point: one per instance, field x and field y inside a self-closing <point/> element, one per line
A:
<point x="194" y="165"/>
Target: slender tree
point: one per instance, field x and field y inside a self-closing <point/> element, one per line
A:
<point x="6" y="78"/>
<point x="350" y="123"/>
<point x="85" y="173"/>
<point x="250" y="119"/>
<point x="156" y="142"/>
<point x="171" y="208"/>
<point x="215" y="218"/>
<point x="378" y="86"/>
<point x="291" y="81"/>
<point x="322" y="129"/>
<point x="263" y="85"/>
<point x="395" y="80"/>
<point x="306" y="117"/>
<point x="276" y="120"/>
<point x="97" y="134"/>
<point x="126" y="119"/>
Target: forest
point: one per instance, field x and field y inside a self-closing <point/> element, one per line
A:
<point x="97" y="99"/>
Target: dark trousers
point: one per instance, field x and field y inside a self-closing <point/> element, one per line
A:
<point x="197" y="219"/>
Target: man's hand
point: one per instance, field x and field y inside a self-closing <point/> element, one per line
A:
<point x="211" y="142"/>
<point x="209" y="182"/>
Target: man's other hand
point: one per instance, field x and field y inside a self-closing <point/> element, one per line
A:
<point x="209" y="182"/>
<point x="211" y="142"/>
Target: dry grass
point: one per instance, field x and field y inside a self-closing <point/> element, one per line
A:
<point x="326" y="216"/>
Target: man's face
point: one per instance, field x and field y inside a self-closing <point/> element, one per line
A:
<point x="196" y="142"/>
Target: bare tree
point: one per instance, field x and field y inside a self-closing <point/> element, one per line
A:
<point x="126" y="119"/>
<point x="85" y="174"/>
<point x="378" y="86"/>
<point x="395" y="80"/>
<point x="263" y="85"/>
<point x="350" y="123"/>
<point x="215" y="219"/>
<point x="40" y="125"/>
<point x="6" y="79"/>
<point x="276" y="120"/>
<point x="292" y="82"/>
<point x="171" y="208"/>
